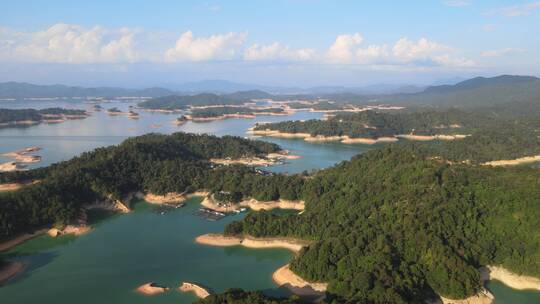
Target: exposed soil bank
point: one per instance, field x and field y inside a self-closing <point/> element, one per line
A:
<point x="251" y="242"/>
<point x="512" y="280"/>
<point x="11" y="166"/>
<point x="171" y="197"/>
<point x="352" y="140"/>
<point x="69" y="229"/>
<point x="198" y="290"/>
<point x="151" y="289"/>
<point x="16" y="186"/>
<point x="514" y="162"/>
<point x="253" y="204"/>
<point x="269" y="159"/>
<point x="286" y="278"/>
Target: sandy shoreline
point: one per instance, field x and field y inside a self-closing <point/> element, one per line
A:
<point x="210" y="203"/>
<point x="514" y="162"/>
<point x="76" y="230"/>
<point x="512" y="280"/>
<point x="151" y="289"/>
<point x="268" y="160"/>
<point x="198" y="290"/>
<point x="482" y="297"/>
<point x="16" y="186"/>
<point x="432" y="137"/>
<point x="171" y="197"/>
<point x="352" y="140"/>
<point x="10" y="270"/>
<point x="21" y="157"/>
<point x="286" y="278"/>
<point x="11" y="166"/>
<point x="220" y="240"/>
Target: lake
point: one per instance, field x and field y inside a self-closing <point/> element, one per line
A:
<point x="125" y="251"/>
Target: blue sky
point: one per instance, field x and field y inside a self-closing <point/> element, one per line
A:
<point x="294" y="42"/>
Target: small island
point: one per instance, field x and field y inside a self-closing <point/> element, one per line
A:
<point x="180" y="120"/>
<point x="223" y="112"/>
<point x="115" y="111"/>
<point x="21" y="159"/>
<point x="27" y="117"/>
<point x="151" y="289"/>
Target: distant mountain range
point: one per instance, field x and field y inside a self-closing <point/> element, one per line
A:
<point x="27" y="90"/>
<point x="225" y="87"/>
<point x="499" y="91"/>
<point x="476" y="92"/>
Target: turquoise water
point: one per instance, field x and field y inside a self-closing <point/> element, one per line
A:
<point x="125" y="251"/>
<point x="107" y="264"/>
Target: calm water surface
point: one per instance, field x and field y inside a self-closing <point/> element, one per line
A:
<point x="123" y="252"/>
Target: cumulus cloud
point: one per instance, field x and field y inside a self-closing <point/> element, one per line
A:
<point x="70" y="44"/>
<point x="67" y="43"/>
<point x="423" y="52"/>
<point x="342" y="50"/>
<point x="524" y="9"/>
<point x="215" y="47"/>
<point x="405" y="49"/>
<point x="277" y="51"/>
<point x="372" y="54"/>
<point x="501" y="52"/>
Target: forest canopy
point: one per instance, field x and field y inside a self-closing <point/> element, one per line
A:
<point x="151" y="163"/>
<point x="397" y="226"/>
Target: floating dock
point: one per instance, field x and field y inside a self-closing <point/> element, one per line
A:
<point x="165" y="208"/>
<point x="209" y="214"/>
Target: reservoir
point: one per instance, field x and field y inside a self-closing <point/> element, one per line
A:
<point x="125" y="251"/>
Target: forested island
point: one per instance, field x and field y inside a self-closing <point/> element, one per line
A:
<point x="13" y="117"/>
<point x="211" y="113"/>
<point x="375" y="124"/>
<point x="481" y="138"/>
<point x="182" y="102"/>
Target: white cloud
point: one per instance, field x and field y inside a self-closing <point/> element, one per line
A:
<point x="215" y="47"/>
<point x="404" y="52"/>
<point x="423" y="49"/>
<point x="457" y="3"/>
<point x="343" y="48"/>
<point x="65" y="43"/>
<point x="277" y="51"/>
<point x="502" y="52"/>
<point x="372" y="54"/>
<point x="524" y="9"/>
<point x="70" y="44"/>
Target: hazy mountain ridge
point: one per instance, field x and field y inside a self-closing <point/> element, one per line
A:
<point x="28" y="90"/>
<point x="506" y="92"/>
